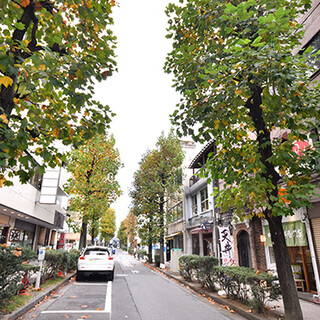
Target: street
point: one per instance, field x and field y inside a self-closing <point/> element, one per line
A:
<point x="137" y="293"/>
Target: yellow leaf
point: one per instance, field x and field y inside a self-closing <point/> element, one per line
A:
<point x="4" y="118"/>
<point x="291" y="183"/>
<point x="239" y="91"/>
<point x="25" y="3"/>
<point x="42" y="67"/>
<point x="96" y="28"/>
<point x="6" y="81"/>
<point x="216" y="124"/>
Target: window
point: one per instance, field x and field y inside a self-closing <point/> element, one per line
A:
<point x="204" y="199"/>
<point x="194" y="205"/>
<point x="176" y="212"/>
<point x="314" y="46"/>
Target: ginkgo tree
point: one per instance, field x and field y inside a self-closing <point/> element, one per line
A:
<point x="92" y="186"/>
<point x="108" y="225"/>
<point x="158" y="180"/>
<point x="244" y="85"/>
<point x="51" y="55"/>
<point x="144" y="204"/>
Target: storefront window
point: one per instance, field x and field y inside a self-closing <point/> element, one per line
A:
<point x="21" y="237"/>
<point x="3" y="234"/>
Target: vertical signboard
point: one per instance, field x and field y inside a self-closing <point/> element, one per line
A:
<point x="226" y="247"/>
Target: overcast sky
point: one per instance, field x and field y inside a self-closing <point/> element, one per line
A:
<point x="141" y="94"/>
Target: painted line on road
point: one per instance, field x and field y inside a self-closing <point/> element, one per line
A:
<point x="91" y="284"/>
<point x="75" y="311"/>
<point x="107" y="306"/>
<point x="121" y="275"/>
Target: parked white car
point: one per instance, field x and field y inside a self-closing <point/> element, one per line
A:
<point x="95" y="260"/>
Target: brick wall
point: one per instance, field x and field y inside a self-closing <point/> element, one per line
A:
<point x="258" y="257"/>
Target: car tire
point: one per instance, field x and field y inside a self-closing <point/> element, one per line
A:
<point x="78" y="276"/>
<point x="111" y="276"/>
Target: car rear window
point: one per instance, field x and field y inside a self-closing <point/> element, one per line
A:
<point x="96" y="251"/>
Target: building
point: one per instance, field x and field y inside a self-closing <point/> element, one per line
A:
<point x="33" y="214"/>
<point x="175" y="238"/>
<point x="200" y="215"/>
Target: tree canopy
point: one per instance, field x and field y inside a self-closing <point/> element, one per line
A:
<point x="51" y="55"/>
<point x="244" y="86"/>
<point x="108" y="225"/>
<point x="93" y="185"/>
<point x="156" y="182"/>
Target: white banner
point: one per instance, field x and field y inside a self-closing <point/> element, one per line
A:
<point x="226" y="247"/>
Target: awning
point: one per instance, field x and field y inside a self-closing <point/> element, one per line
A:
<point x="172" y="235"/>
<point x="200" y="230"/>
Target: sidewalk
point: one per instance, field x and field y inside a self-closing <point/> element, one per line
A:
<point x="310" y="307"/>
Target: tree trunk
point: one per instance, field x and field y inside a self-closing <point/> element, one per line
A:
<point x="162" y="230"/>
<point x="150" y="244"/>
<point x="92" y="234"/>
<point x="288" y="288"/>
<point x="83" y="236"/>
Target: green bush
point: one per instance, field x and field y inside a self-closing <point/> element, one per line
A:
<point x="59" y="260"/>
<point x="205" y="271"/>
<point x="130" y="250"/>
<point x="13" y="269"/>
<point x="141" y="253"/>
<point x="245" y="284"/>
<point x="187" y="264"/>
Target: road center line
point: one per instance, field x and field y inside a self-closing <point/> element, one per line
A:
<point x="107" y="306"/>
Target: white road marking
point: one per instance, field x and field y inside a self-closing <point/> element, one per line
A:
<point x="135" y="271"/>
<point x="75" y="311"/>
<point x="107" y="306"/>
<point x="90" y="284"/>
<point x="121" y="275"/>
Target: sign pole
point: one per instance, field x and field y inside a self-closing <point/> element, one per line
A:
<point x="41" y="255"/>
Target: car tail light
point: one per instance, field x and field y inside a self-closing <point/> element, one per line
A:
<point x="110" y="258"/>
<point x="83" y="257"/>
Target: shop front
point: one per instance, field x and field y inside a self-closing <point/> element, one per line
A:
<point x="300" y="255"/>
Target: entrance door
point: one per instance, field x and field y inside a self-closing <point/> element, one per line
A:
<point x="244" y="251"/>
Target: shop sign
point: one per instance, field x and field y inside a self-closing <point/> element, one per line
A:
<point x="294" y="232"/>
<point x="226" y="247"/>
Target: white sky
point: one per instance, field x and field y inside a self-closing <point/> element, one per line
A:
<point x="141" y="94"/>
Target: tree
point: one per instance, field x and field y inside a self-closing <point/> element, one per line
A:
<point x="122" y="233"/>
<point x="130" y="223"/>
<point x="93" y="186"/>
<point x="241" y="84"/>
<point x="51" y="55"/>
<point x="108" y="225"/>
<point x="160" y="178"/>
<point x="144" y="204"/>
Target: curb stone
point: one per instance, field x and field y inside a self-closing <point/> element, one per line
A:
<point x="35" y="300"/>
<point x="221" y="301"/>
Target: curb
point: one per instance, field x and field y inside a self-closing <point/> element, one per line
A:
<point x="35" y="300"/>
<point x="221" y="301"/>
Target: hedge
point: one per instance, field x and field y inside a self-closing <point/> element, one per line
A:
<point x="15" y="270"/>
<point x="244" y="284"/>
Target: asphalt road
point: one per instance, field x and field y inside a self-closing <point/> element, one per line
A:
<point x="137" y="293"/>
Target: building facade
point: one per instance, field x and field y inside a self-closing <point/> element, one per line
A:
<point x="33" y="214"/>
